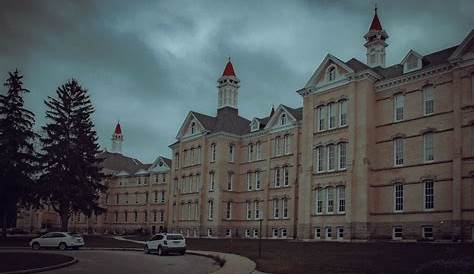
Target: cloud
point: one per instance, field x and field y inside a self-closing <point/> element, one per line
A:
<point x="148" y="63"/>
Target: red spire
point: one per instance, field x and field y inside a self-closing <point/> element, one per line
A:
<point x="229" y="69"/>
<point x="375" y="22"/>
<point x="118" y="129"/>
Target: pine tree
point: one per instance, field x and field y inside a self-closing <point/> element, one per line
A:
<point x="71" y="179"/>
<point x="17" y="155"/>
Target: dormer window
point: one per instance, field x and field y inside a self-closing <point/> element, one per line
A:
<point x="255" y="125"/>
<point x="193" y="127"/>
<point x="412" y="62"/>
<point x="331" y="73"/>
<point x="283" y="119"/>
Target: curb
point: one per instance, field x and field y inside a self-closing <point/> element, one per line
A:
<point x="46" y="268"/>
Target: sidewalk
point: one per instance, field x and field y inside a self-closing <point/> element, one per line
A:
<point x="233" y="263"/>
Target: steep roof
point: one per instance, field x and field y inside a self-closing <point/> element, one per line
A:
<point x="116" y="162"/>
<point x="227" y="120"/>
<point x="296" y="112"/>
<point x="118" y="129"/>
<point x="375" y="23"/>
<point x="356" y="65"/>
<point x="167" y="161"/>
<point x="229" y="69"/>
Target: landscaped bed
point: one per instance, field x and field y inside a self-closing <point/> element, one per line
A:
<point x="14" y="261"/>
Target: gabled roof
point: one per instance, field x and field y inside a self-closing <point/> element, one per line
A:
<point x="356" y="65"/>
<point x="411" y="52"/>
<point x="465" y="43"/>
<point x="319" y="70"/>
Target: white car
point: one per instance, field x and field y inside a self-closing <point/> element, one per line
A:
<point x="61" y="240"/>
<point x="164" y="243"/>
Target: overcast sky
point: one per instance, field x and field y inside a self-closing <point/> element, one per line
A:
<point x="147" y="63"/>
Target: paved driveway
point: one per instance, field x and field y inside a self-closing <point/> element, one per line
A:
<point x="125" y="262"/>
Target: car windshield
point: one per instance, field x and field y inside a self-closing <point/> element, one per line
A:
<point x="174" y="237"/>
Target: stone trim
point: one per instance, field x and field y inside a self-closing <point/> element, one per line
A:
<point x="414" y="119"/>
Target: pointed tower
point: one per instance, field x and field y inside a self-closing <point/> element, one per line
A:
<point x="117" y="139"/>
<point x="375" y="43"/>
<point x="228" y="85"/>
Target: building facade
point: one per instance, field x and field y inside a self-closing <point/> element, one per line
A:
<point x="375" y="152"/>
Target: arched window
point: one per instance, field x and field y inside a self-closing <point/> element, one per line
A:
<point x="283" y="119"/>
<point x="331" y="74"/>
<point x="193" y="128"/>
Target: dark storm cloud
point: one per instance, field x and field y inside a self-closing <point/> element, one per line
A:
<point x="148" y="63"/>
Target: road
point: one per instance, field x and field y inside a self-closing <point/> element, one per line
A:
<point x="125" y="262"/>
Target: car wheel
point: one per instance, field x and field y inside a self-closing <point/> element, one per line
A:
<point x="62" y="246"/>
<point x="159" y="251"/>
<point x="36" y="246"/>
<point x="147" y="251"/>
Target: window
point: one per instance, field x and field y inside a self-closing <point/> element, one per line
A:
<point x="145" y="216"/>
<point x="257" y="180"/>
<point x="230" y="181"/>
<point x="398" y="107"/>
<point x="286" y="176"/>
<point x="283" y="119"/>
<point x="277" y="177"/>
<point x="397" y="233"/>
<point x="162" y="196"/>
<point x="210" y="209"/>
<point x="328" y="233"/>
<point x="209" y="232"/>
<point x="331" y="74"/>
<point x="283" y="232"/>
<point x="320" y="159"/>
<point x="319" y="201"/>
<point x="321" y="118"/>
<point x="332" y="115"/>
<point x="275" y="232"/>
<point x="330" y="199"/>
<point x="231" y="153"/>
<point x="212" y="182"/>
<point x="135" y="217"/>
<point x="176" y="160"/>
<point x="342" y="155"/>
<point x="255" y="125"/>
<point x="228" y="211"/>
<point x="248" y="210"/>
<point x="247" y="233"/>
<point x="331" y="157"/>
<point x="341" y="197"/>
<point x="198" y="155"/>
<point x="428" y="102"/>
<point x="343" y="113"/>
<point x="116" y="216"/>
<point x="276" y="146"/>
<point x="317" y="233"/>
<point x="255" y="233"/>
<point x="249" y="181"/>
<point x="398" y="197"/>
<point x="258" y="150"/>
<point x="249" y="152"/>
<point x="257" y="210"/>
<point x="428" y="146"/>
<point x="154" y="216"/>
<point x="398" y="151"/>
<point x="276" y="209"/>
<point x="126" y="216"/>
<point x="285" y="208"/>
<point x="340" y="233"/>
<point x="428" y="232"/>
<point x="213" y="152"/>
<point x="193" y="128"/>
<point x="117" y="200"/>
<point x="286" y="144"/>
<point x="429" y="194"/>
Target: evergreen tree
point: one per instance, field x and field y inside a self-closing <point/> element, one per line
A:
<point x="17" y="156"/>
<point x="71" y="179"/>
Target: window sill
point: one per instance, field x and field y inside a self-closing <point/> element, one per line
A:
<point x="331" y="130"/>
<point x="280" y="187"/>
<point x="335" y="172"/>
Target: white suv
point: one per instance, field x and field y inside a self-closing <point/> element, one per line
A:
<point x="164" y="243"/>
<point x="61" y="240"/>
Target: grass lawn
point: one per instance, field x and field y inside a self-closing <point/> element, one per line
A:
<point x="280" y="256"/>
<point x="11" y="260"/>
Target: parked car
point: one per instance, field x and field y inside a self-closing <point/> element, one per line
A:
<point x="164" y="243"/>
<point x="61" y="240"/>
